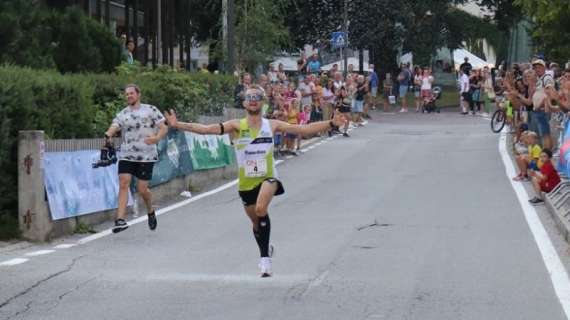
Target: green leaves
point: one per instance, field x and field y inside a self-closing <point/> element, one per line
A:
<point x="260" y="31"/>
<point x="83" y="106"/>
<point x="551" y="20"/>
<point x="32" y="35"/>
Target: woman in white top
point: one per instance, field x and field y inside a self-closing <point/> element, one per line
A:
<point x="417" y="85"/>
<point x="426" y="83"/>
<point x="426" y="86"/>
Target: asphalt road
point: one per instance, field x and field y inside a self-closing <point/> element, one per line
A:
<point x="412" y="217"/>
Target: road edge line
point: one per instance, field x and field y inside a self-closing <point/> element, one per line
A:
<point x="556" y="270"/>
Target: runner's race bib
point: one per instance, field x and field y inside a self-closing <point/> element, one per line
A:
<point x="255" y="168"/>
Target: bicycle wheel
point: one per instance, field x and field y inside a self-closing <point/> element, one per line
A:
<point x="498" y="120"/>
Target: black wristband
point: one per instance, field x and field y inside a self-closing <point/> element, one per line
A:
<point x="222" y="130"/>
<point x="331" y="124"/>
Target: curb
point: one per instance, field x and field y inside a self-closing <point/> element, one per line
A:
<point x="555" y="202"/>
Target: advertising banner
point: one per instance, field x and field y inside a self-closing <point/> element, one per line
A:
<point x="173" y="158"/>
<point x="74" y="188"/>
<point x="210" y="151"/>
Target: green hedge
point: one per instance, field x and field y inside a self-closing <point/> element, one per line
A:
<point x="83" y="105"/>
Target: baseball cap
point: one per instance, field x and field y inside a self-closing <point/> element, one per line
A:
<point x="539" y="61"/>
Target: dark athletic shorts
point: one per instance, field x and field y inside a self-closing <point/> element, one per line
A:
<point x="249" y="198"/>
<point x="141" y="170"/>
<point x="344" y="109"/>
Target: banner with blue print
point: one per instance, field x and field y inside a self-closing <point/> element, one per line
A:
<point x="74" y="188"/>
<point x="173" y="158"/>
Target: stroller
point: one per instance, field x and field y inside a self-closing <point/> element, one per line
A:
<point x="430" y="104"/>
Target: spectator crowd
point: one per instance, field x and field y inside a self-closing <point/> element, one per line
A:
<point x="313" y="94"/>
<point x="536" y="98"/>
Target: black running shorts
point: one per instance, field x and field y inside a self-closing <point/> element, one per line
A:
<point x="141" y="170"/>
<point x="249" y="198"/>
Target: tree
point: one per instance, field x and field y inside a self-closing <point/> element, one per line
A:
<point x="32" y="35"/>
<point x="551" y="19"/>
<point x="312" y="21"/>
<point x="260" y="31"/>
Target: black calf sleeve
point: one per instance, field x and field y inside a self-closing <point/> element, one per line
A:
<point x="264" y="230"/>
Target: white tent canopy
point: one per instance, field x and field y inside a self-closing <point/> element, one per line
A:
<point x="289" y="63"/>
<point x="459" y="56"/>
<point x="352" y="60"/>
<point x="407" y="58"/>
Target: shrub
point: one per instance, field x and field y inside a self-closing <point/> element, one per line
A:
<point x="83" y="105"/>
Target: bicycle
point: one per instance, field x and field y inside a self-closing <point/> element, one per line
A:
<point x="500" y="116"/>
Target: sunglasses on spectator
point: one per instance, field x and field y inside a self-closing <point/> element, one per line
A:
<point x="253" y="97"/>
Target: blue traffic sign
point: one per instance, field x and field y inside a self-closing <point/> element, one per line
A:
<point x="339" y="39"/>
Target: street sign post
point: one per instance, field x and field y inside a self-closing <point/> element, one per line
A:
<point x="339" y="40"/>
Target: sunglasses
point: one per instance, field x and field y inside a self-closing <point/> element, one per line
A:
<point x="253" y="97"/>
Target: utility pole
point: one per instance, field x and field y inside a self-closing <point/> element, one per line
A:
<point x="225" y="36"/>
<point x="345" y="27"/>
<point x="230" y="36"/>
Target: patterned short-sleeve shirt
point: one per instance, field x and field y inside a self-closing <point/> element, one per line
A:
<point x="136" y="125"/>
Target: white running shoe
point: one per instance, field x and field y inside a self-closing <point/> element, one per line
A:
<point x="265" y="267"/>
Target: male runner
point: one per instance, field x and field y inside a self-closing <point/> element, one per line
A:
<point x="253" y="139"/>
<point x="142" y="126"/>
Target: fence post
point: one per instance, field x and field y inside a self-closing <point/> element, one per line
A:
<point x="33" y="214"/>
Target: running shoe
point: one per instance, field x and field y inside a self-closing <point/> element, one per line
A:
<point x="265" y="267"/>
<point x="536" y="201"/>
<point x="152" y="221"/>
<point x="120" y="225"/>
<point x="345" y="135"/>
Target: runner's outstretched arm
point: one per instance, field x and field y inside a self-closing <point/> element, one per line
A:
<point x="308" y="129"/>
<point x="218" y="128"/>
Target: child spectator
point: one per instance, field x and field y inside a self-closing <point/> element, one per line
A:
<point x="304" y="116"/>
<point x="546" y="179"/>
<point x="521" y="147"/>
<point x="280" y="114"/>
<point x="303" y="119"/>
<point x="531" y="160"/>
<point x="290" y="138"/>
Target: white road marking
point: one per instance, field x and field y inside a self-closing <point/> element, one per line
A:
<point x="556" y="270"/>
<point x="65" y="246"/>
<point x="13" y="262"/>
<point x="39" y="253"/>
<point x="289" y="157"/>
<point x="164" y="210"/>
<point x="161" y="211"/>
<point x="175" y="206"/>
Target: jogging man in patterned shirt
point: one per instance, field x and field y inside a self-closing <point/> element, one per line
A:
<point x="142" y="126"/>
<point x="258" y="181"/>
